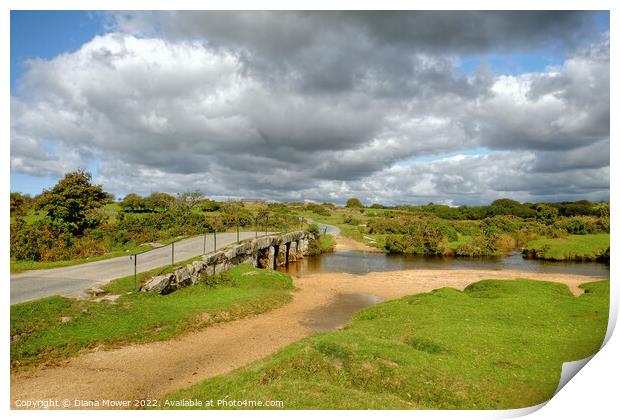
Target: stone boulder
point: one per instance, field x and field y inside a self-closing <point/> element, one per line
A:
<point x="213" y="258"/>
<point x="160" y="284"/>
<point x="183" y="277"/>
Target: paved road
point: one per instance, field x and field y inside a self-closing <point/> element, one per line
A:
<point x="324" y="227"/>
<point x="72" y="281"/>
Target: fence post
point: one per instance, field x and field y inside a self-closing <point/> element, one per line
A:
<point x="135" y="271"/>
<point x="215" y="239"/>
<point x="172" y="253"/>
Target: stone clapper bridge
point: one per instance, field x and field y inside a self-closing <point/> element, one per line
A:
<point x="265" y="252"/>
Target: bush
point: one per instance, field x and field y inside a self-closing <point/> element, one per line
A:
<point x="395" y="245"/>
<point x="546" y="214"/>
<point x="505" y="243"/>
<point x="314" y="229"/>
<point x="19" y="204"/>
<point x="354" y="203"/>
<point x="321" y="210"/>
<point x="502" y="224"/>
<point x="583" y="225"/>
<point x="424" y="239"/>
<point x="209" y="205"/>
<point x="350" y="220"/>
<point x="479" y="246"/>
<point x="28" y="242"/>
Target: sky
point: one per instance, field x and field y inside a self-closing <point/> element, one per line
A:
<point x="390" y="107"/>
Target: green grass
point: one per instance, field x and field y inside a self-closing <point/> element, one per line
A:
<point x="31" y="216"/>
<point x="38" y="335"/>
<point x="573" y="247"/>
<point x="497" y="345"/>
<point x="462" y="240"/>
<point x="327" y="243"/>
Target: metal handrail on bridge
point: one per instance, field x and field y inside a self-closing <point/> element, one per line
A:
<point x="134" y="256"/>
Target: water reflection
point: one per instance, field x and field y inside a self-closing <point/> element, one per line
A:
<point x="339" y="312"/>
<point x="362" y="262"/>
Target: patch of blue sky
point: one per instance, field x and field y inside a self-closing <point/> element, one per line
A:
<point x="478" y="151"/>
<point x="534" y="60"/>
<point x="48" y="33"/>
<point x="601" y="20"/>
<point x="511" y="64"/>
<point x="31" y="184"/>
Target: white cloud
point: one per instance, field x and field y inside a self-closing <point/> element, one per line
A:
<point x="179" y="113"/>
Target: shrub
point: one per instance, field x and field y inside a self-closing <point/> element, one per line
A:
<point x="28" y="241"/>
<point x="354" y="203"/>
<point x="546" y="214"/>
<point x="19" y="203"/>
<point x="318" y="209"/>
<point x="503" y="223"/>
<point x="350" y="220"/>
<point x="505" y="243"/>
<point x="133" y="203"/>
<point x="314" y="229"/>
<point x="395" y="245"/>
<point x="424" y="239"/>
<point x="209" y="205"/>
<point x="479" y="246"/>
<point x="582" y="225"/>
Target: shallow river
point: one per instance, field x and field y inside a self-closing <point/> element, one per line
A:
<point x="356" y="262"/>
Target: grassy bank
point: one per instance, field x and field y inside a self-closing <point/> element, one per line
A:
<point x="38" y="334"/>
<point x="498" y="344"/>
<point x="327" y="243"/>
<point x="572" y="248"/>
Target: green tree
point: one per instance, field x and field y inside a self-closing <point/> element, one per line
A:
<point x="184" y="203"/>
<point x="133" y="202"/>
<point x="159" y="201"/>
<point x="19" y="204"/>
<point x="354" y="203"/>
<point x="546" y="214"/>
<point x="73" y="201"/>
<point x="210" y="205"/>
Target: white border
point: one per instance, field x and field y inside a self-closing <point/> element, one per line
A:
<point x="593" y="393"/>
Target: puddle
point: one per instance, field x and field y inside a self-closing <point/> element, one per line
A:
<point x="336" y="314"/>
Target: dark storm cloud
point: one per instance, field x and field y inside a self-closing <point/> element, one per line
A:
<point x="281" y="33"/>
<point x="323" y="105"/>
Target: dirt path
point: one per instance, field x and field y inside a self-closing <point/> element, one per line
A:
<point x="347" y="244"/>
<point x="155" y="369"/>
